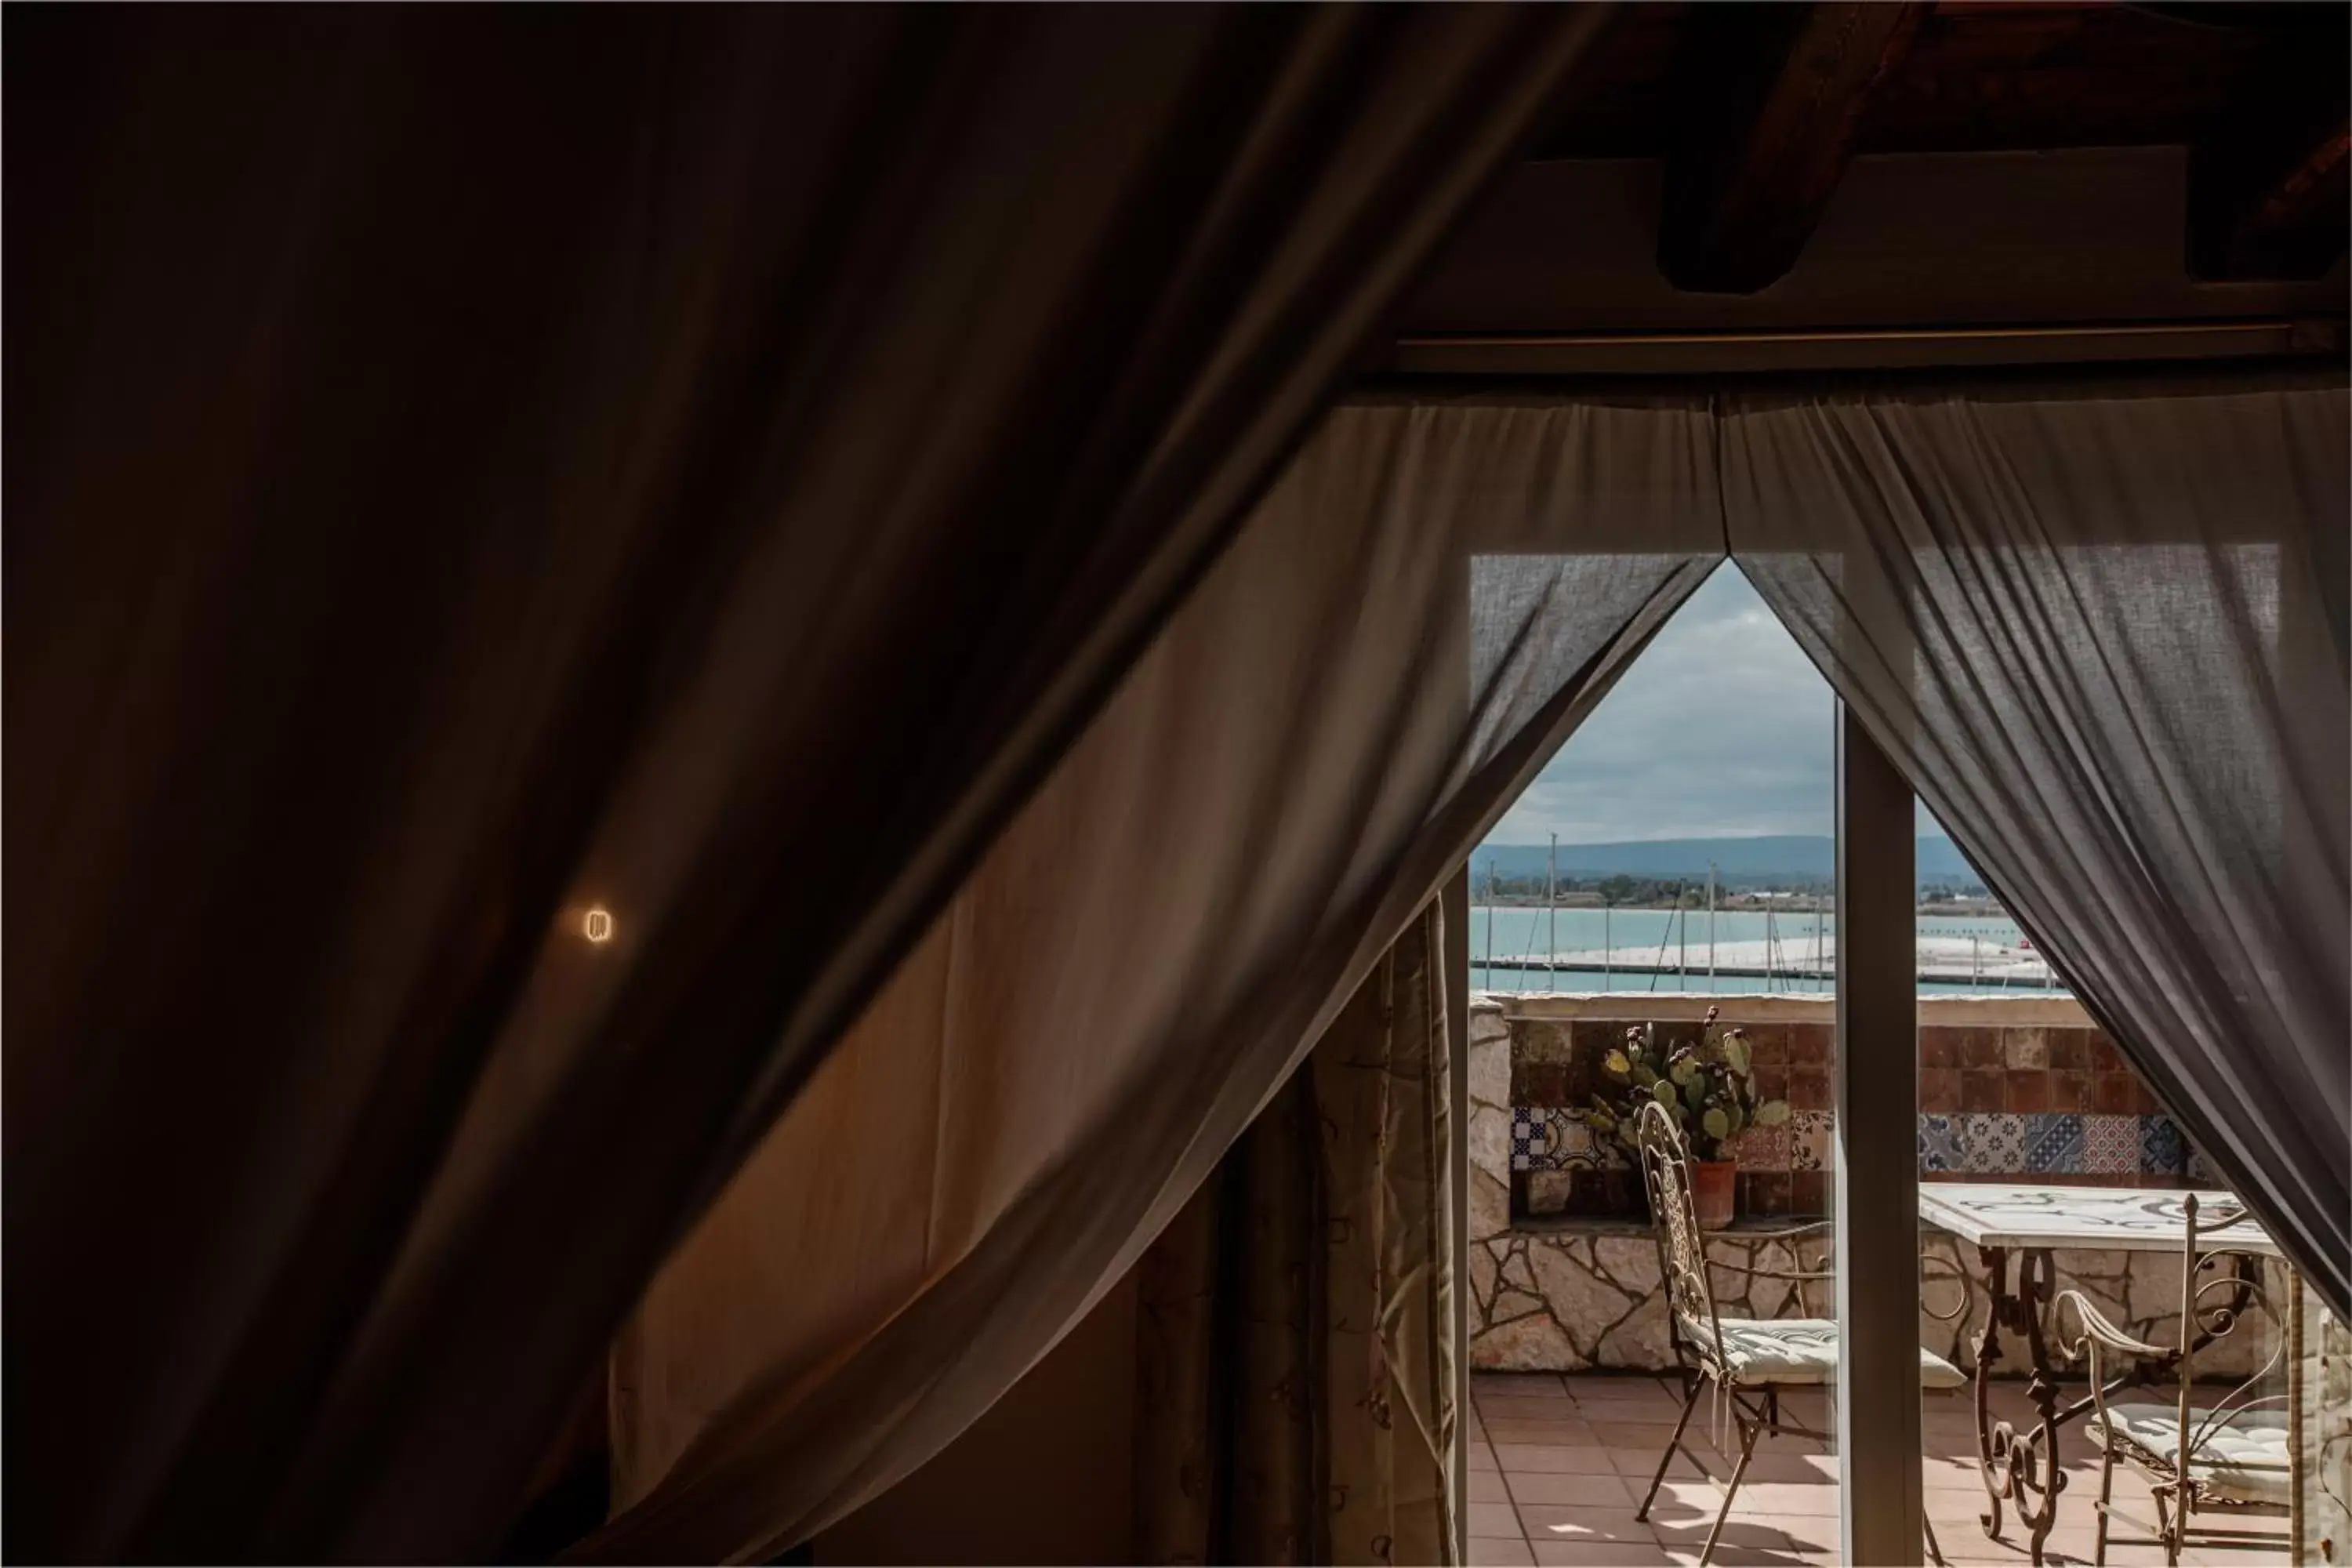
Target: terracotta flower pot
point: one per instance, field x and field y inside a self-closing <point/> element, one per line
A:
<point x="1714" y="1192"/>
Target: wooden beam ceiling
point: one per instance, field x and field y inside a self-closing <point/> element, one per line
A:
<point x="2269" y="196"/>
<point x="1780" y="96"/>
<point x="1757" y="109"/>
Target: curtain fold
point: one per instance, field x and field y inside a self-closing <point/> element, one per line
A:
<point x="2102" y="629"/>
<point x="1362" y="685"/>
<point x="471" y="470"/>
<point x="1295" y="1371"/>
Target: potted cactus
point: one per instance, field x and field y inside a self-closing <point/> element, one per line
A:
<point x="1708" y="1086"/>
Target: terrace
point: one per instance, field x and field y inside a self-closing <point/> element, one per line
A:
<point x="1575" y="1385"/>
<point x="1558" y="1464"/>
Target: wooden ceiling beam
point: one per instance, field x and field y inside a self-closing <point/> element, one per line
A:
<point x="1780" y="93"/>
<point x="2248" y="219"/>
<point x="2269" y="196"/>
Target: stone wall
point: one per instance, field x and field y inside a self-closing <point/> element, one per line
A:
<point x="1556" y="1289"/>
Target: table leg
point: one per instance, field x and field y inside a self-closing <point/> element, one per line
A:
<point x="1991" y="1462"/>
<point x="2005" y="1456"/>
<point x="2035" y="1273"/>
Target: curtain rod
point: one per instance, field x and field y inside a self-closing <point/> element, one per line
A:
<point x="1859" y="348"/>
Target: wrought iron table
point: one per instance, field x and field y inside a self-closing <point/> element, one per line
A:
<point x="2031" y="1221"/>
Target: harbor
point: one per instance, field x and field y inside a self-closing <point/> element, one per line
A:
<point x="1943" y="960"/>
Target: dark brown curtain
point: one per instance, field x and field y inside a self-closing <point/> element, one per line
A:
<point x="1296" y="1380"/>
<point x="473" y="471"/>
<point x="2102" y="629"/>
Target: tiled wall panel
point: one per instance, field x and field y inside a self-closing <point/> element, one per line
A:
<point x="2039" y="1104"/>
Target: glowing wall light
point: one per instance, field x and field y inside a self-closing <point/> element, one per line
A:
<point x="598" y="924"/>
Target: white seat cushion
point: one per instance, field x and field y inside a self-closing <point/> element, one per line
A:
<point x="2244" y="1460"/>
<point x="1799" y="1349"/>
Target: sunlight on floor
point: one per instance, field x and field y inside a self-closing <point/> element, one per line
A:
<point x="1559" y="1464"/>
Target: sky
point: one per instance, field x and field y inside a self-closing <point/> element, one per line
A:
<point x="1721" y="728"/>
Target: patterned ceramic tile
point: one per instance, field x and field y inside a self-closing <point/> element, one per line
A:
<point x="2161" y="1148"/>
<point x="2202" y="1172"/>
<point x="1762" y="1147"/>
<point x="2053" y="1145"/>
<point x="1528" y="1137"/>
<point x="1940" y="1148"/>
<point x="1570" y="1143"/>
<point x="1809" y="1140"/>
<point x="2110" y="1144"/>
<point x="1994" y="1144"/>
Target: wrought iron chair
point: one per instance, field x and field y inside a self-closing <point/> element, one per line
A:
<point x="1749" y="1360"/>
<point x="2230" y="1455"/>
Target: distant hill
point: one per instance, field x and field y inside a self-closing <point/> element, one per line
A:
<point x="1740" y="862"/>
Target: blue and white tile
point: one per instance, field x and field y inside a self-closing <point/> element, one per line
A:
<point x="1939" y="1147"/>
<point x="2162" y="1150"/>
<point x="2202" y="1172"/>
<point x="1527" y="1138"/>
<point x="2053" y="1144"/>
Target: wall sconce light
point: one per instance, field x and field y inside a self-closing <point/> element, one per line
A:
<point x="598" y="925"/>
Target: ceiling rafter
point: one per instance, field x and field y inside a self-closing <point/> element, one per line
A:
<point x="1782" y="95"/>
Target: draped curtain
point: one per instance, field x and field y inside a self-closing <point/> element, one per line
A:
<point x="1293" y="768"/>
<point x="1297" y="1383"/>
<point x="1362" y="685"/>
<point x="2102" y="628"/>
<point x="471" y="470"/>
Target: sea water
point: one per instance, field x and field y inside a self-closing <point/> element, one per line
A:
<point x="1675" y="941"/>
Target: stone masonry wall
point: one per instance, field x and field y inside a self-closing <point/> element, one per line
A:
<point x="1575" y="1284"/>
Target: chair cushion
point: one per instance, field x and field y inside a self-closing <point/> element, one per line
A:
<point x="2244" y="1460"/>
<point x="1800" y="1350"/>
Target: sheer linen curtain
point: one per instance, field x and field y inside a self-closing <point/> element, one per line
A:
<point x="1363" y="683"/>
<point x="1297" y="1383"/>
<point x="467" y="469"/>
<point x="2102" y="628"/>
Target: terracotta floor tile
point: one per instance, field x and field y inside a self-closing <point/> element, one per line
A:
<point x="1494" y="1519"/>
<point x="1547" y="1523"/>
<point x="1815" y="1540"/>
<point x="1615" y="1385"/>
<point x="1939" y="1475"/>
<point x="1782" y="1496"/>
<point x="1519" y="1385"/>
<point x="1793" y="1470"/>
<point x="1753" y="1534"/>
<point x="1682" y="1503"/>
<point x="1552" y="1434"/>
<point x="1643" y="1436"/>
<point x="1494" y="1407"/>
<point x="1587" y="1490"/>
<point x="1577" y="1453"/>
<point x="1603" y="1554"/>
<point x="1638" y="1465"/>
<point x="1549" y="1459"/>
<point x="1660" y="1409"/>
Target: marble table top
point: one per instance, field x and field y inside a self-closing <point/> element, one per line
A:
<point x="2131" y="1219"/>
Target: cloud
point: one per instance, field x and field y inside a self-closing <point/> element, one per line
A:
<point x="1721" y="727"/>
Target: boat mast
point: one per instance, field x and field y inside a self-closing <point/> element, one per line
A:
<point x="1682" y="938"/>
<point x="1552" y="905"/>
<point x="1710" y="925"/>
